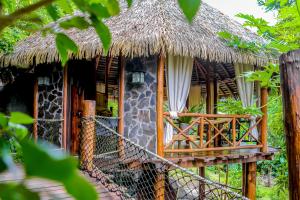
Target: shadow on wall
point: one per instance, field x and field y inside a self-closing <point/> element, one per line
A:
<point x="18" y="95"/>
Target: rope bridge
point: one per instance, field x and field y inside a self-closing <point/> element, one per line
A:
<point x="132" y="172"/>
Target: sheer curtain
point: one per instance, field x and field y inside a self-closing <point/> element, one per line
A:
<point x="246" y="89"/>
<point x="179" y="74"/>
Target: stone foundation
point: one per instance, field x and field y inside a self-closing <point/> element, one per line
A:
<point x="140" y="103"/>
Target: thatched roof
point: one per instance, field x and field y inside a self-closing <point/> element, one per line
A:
<point x="148" y="27"/>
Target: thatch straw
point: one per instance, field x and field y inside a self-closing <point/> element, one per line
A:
<point x="147" y="28"/>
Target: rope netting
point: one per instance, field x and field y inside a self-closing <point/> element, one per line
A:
<point x="132" y="172"/>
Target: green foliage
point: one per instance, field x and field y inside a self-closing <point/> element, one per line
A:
<point x="189" y="8"/>
<point x="65" y="45"/>
<point x="268" y="76"/>
<point x="238" y="43"/>
<point x="284" y="35"/>
<point x="52" y="165"/>
<point x="194" y="109"/>
<point x="233" y="106"/>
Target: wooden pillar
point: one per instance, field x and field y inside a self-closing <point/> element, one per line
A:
<point x="160" y="179"/>
<point x="209" y="98"/>
<point x="121" y="102"/>
<point x="65" y="108"/>
<point x="264" y="122"/>
<point x="217" y="140"/>
<point x="75" y="120"/>
<point x="249" y="180"/>
<point x="107" y="69"/>
<point x="159" y="105"/>
<point x="290" y="88"/>
<point x="88" y="135"/>
<point x="35" y="108"/>
<point x="201" y="184"/>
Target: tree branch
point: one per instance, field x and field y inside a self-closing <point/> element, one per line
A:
<point x="8" y="20"/>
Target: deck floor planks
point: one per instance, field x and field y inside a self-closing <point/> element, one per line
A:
<point x="52" y="190"/>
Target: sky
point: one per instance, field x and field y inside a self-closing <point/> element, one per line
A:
<point x="233" y="7"/>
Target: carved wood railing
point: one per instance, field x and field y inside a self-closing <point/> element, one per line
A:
<point x="212" y="132"/>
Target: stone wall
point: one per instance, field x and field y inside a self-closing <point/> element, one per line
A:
<point x="50" y="106"/>
<point x="140" y="103"/>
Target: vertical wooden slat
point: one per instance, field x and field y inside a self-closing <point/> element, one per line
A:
<point x="201" y="127"/>
<point x="35" y="109"/>
<point x="233" y="123"/>
<point x="264" y="121"/>
<point x="290" y="88"/>
<point x="65" y="108"/>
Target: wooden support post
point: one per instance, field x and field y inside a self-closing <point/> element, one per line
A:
<point x="217" y="140"/>
<point x="88" y="135"/>
<point x="201" y="184"/>
<point x="234" y="131"/>
<point x="35" y="109"/>
<point x="159" y="105"/>
<point x="209" y="99"/>
<point x="290" y="88"/>
<point x="249" y="180"/>
<point x="160" y="180"/>
<point x="264" y="121"/>
<point x="75" y="120"/>
<point x="121" y="102"/>
<point x="107" y="69"/>
<point x="65" y="108"/>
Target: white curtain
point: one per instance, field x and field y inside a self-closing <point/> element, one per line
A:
<point x="179" y="74"/>
<point x="246" y="89"/>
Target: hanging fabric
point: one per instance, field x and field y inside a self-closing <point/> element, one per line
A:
<point x="246" y="89"/>
<point x="179" y="75"/>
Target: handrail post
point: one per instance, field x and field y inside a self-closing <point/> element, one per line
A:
<point x="201" y="131"/>
<point x="234" y="131"/>
<point x="264" y="121"/>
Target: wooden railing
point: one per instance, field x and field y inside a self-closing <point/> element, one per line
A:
<point x="212" y="132"/>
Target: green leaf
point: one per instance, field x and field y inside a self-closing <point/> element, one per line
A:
<point x="129" y="3"/>
<point x="3" y="121"/>
<point x="20" y="118"/>
<point x="82" y="189"/>
<point x="56" y="167"/>
<point x="298" y="6"/>
<point x="78" y="22"/>
<point x="65" y="5"/>
<point x="18" y="130"/>
<point x="189" y="8"/>
<point x="112" y="6"/>
<point x="14" y="191"/>
<point x="52" y="11"/>
<point x="103" y="32"/>
<point x="64" y="44"/>
<point x="99" y="10"/>
<point x="49" y="167"/>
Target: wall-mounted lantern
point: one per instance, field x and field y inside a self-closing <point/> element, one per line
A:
<point x="44" y="81"/>
<point x="138" y="78"/>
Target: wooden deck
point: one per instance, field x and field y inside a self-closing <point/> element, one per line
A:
<point x="52" y="190"/>
<point x="202" y="159"/>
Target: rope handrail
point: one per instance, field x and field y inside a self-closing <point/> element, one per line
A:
<point x="132" y="171"/>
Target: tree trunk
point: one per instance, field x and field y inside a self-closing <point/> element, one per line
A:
<point x="290" y="86"/>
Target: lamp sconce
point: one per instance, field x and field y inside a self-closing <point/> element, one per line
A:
<point x="44" y="81"/>
<point x="138" y="78"/>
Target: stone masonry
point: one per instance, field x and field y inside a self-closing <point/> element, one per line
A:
<point x="140" y="103"/>
<point x="50" y="106"/>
